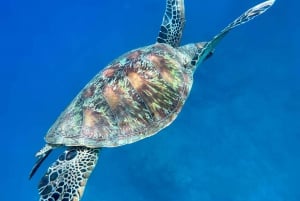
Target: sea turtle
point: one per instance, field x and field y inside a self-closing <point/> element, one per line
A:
<point x="134" y="97"/>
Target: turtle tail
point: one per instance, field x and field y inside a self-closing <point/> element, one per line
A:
<point x="208" y="48"/>
<point x="66" y="178"/>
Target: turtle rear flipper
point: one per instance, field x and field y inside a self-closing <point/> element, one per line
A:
<point x="39" y="162"/>
<point x="66" y="179"/>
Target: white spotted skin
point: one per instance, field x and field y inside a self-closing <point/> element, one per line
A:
<point x="66" y="178"/>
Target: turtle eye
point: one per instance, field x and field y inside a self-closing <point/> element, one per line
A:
<point x="185" y="62"/>
<point x="71" y="154"/>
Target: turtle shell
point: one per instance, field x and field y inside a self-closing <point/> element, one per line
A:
<point x="134" y="97"/>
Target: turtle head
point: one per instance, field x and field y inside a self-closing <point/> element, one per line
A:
<point x="196" y="53"/>
<point x="191" y="51"/>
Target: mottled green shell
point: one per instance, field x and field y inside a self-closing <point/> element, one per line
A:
<point x="134" y="97"/>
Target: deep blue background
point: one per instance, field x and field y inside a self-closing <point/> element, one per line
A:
<point x="237" y="138"/>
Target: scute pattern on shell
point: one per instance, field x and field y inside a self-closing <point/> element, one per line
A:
<point x="134" y="97"/>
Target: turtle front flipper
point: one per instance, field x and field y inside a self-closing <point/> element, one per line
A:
<point x="172" y="24"/>
<point x="66" y="179"/>
<point x="253" y="12"/>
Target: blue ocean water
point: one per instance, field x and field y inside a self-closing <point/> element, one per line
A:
<point x="237" y="138"/>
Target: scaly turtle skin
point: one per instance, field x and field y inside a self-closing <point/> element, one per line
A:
<point x="134" y="97"/>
